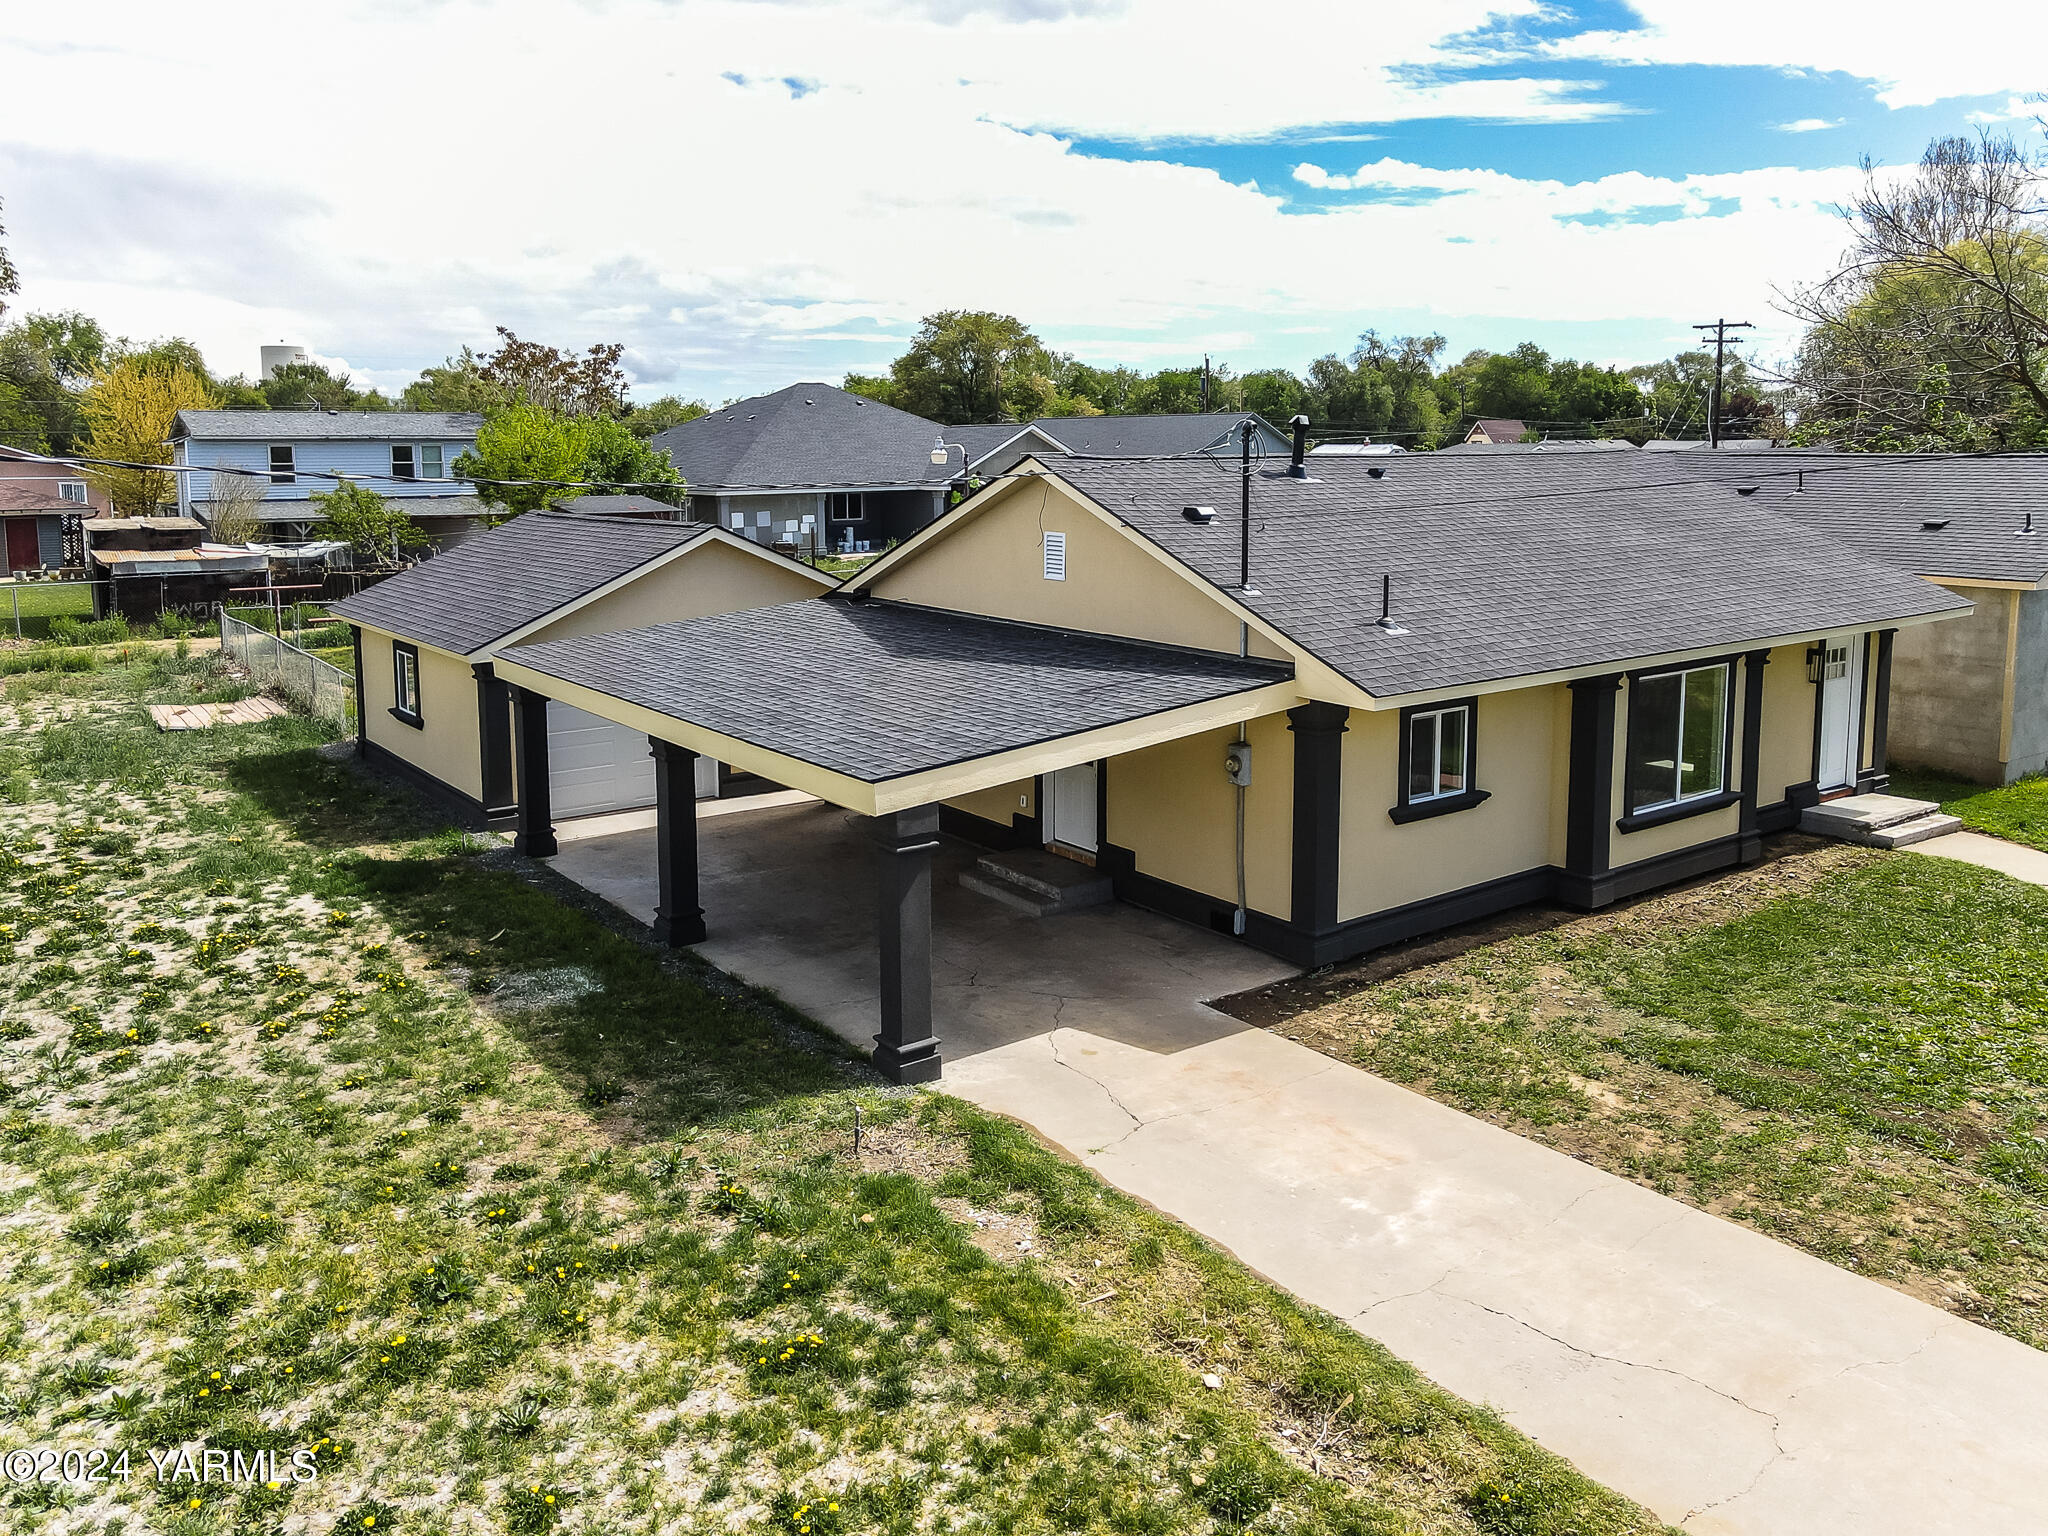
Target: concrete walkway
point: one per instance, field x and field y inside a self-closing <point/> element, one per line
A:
<point x="1729" y="1383"/>
<point x="2015" y="859"/>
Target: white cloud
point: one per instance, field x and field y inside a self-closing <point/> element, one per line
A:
<point x="1808" y="124"/>
<point x="739" y="189"/>
<point x="1913" y="59"/>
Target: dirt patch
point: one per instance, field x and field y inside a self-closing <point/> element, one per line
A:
<point x="1005" y="1236"/>
<point x="1793" y="863"/>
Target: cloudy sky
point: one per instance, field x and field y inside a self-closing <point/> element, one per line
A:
<point x="747" y="192"/>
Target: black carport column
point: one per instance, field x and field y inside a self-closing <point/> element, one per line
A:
<point x="1751" y="846"/>
<point x="494" y="734"/>
<point x="1589" y="808"/>
<point x="906" y="1050"/>
<point x="536" y="835"/>
<point x="678" y="919"/>
<point x="1318" y="800"/>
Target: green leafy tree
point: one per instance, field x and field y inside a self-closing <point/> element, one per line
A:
<point x="10" y="279"/>
<point x="566" y="455"/>
<point x="967" y="366"/>
<point x="660" y="415"/>
<point x="316" y="387"/>
<point x="21" y="424"/>
<point x="368" y="522"/>
<point x="457" y="385"/>
<point x="1933" y="331"/>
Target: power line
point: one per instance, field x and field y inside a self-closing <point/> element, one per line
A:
<point x="1720" y="328"/>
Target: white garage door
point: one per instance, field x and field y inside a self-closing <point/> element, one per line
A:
<point x="596" y="765"/>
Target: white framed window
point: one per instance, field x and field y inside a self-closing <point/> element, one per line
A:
<point x="405" y="682"/>
<point x="1055" y="555"/>
<point x="72" y="491"/>
<point x="404" y="464"/>
<point x="283" y="466"/>
<point x="1678" y="728"/>
<point x="1439" y="754"/>
<point x="430" y="462"/>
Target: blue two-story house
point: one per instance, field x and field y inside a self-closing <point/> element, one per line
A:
<point x="406" y="456"/>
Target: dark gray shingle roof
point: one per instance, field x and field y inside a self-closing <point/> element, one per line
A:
<point x="935" y="688"/>
<point x="1879" y="502"/>
<point x="1505" y="568"/>
<point x="327" y="426"/>
<point x="805" y="435"/>
<point x="1154" y="436"/>
<point x="615" y="506"/>
<point x="1561" y="445"/>
<point x="486" y="587"/>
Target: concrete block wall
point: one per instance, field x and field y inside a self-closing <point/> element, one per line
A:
<point x="1948" y="691"/>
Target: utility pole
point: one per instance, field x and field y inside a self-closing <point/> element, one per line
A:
<point x="1720" y="328"/>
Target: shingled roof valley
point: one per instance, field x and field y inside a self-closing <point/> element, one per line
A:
<point x="1505" y="568"/>
<point x="487" y="587"/>
<point x="934" y="688"/>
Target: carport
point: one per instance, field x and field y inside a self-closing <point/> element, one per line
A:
<point x="883" y="709"/>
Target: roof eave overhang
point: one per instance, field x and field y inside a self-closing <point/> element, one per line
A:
<point x="928" y="786"/>
<point x="1466" y="690"/>
<point x="1989" y="583"/>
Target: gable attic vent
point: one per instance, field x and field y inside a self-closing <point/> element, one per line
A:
<point x="1055" y="556"/>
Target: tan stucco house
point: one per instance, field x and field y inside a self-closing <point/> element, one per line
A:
<point x="1396" y="695"/>
<point x="432" y="709"/>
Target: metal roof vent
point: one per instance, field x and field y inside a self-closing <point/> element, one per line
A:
<point x="1386" y="620"/>
<point x="2027" y="529"/>
<point x="1934" y="524"/>
<point x="1199" y="514"/>
<point x="1378" y="472"/>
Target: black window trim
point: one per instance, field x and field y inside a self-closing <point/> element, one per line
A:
<point x="288" y="475"/>
<point x="1404" y="810"/>
<point x="414" y="717"/>
<point x="412" y="470"/>
<point x="1633" y="820"/>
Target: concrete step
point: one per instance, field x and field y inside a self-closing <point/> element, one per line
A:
<point x="1907" y="833"/>
<point x="1855" y="817"/>
<point x="1031" y="880"/>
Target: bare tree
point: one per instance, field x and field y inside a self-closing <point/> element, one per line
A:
<point x="1938" y="313"/>
<point x="234" y="513"/>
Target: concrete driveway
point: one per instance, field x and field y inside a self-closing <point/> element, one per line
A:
<point x="1728" y="1382"/>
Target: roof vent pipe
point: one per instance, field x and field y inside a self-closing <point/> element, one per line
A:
<point x="1245" y="433"/>
<point x="1386" y="619"/>
<point x="1296" y="467"/>
<point x="2027" y="527"/>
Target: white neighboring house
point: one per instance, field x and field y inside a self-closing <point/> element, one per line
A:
<point x="404" y="456"/>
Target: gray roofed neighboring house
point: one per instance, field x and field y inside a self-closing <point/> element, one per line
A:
<point x="1726" y="445"/>
<point x="1547" y="446"/>
<point x="939" y="688"/>
<point x="323" y="426"/>
<point x="1496" y="429"/>
<point x="486" y="588"/>
<point x="1506" y="570"/>
<point x="808" y="436"/>
<point x="1166" y="436"/>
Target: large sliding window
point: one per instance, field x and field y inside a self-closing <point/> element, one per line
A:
<point x="1678" y="730"/>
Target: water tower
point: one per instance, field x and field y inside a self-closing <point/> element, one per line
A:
<point x="278" y="356"/>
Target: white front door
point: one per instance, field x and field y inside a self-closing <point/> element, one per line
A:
<point x="1841" y="711"/>
<point x="1071" y="808"/>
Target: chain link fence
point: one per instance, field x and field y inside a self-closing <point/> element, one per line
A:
<point x="325" y="691"/>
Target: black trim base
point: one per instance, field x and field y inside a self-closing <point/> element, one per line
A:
<point x="1022" y="832"/>
<point x="1782" y="817"/>
<point x="468" y="812"/>
<point x="1377" y="930"/>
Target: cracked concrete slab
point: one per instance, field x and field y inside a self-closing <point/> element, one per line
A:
<point x="1735" y="1386"/>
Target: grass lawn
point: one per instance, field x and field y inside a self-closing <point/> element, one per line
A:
<point x="1847" y="1050"/>
<point x="38" y="602"/>
<point x="2017" y="812"/>
<point x="326" y="1130"/>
